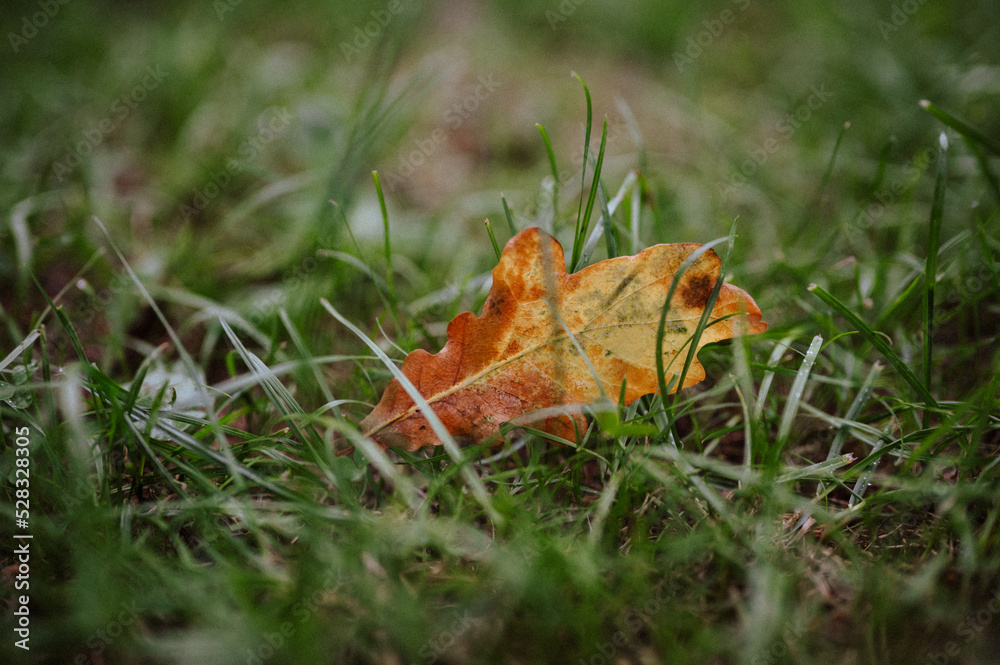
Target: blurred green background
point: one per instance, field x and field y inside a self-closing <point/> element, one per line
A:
<point x="139" y="112"/>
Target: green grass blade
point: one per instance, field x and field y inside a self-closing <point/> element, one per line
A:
<point x="307" y="356"/>
<point x="579" y="349"/>
<point x="577" y="233"/>
<point x="493" y="239"/>
<point x="854" y="411"/>
<point x="553" y="168"/>
<point x="821" y="469"/>
<point x="279" y="396"/>
<point x="808" y="216"/>
<point x="796" y="391"/>
<point x="474" y="482"/>
<point x="380" y="461"/>
<point x="509" y="215"/>
<point x="984" y="165"/>
<point x="207" y="453"/>
<point x="864" y="480"/>
<point x="581" y="237"/>
<point x="747" y="425"/>
<point x="930" y="270"/>
<point x="904" y="295"/>
<point x="984" y="244"/>
<point x="875" y="339"/>
<point x="610" y="240"/>
<point x="25" y="343"/>
<point x="883" y="163"/>
<point x="600" y="513"/>
<point x="673" y="453"/>
<point x="635" y="210"/>
<point x="661" y="329"/>
<point x="833" y="159"/>
<point x="390" y="287"/>
<point x="132" y="394"/>
<point x="962" y="127"/>
<point x="707" y="311"/>
<point x="608" y="209"/>
<point x="765" y="383"/>
<point x="186" y="359"/>
<point x="66" y="325"/>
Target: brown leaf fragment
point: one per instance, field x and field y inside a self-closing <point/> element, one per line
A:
<point x="517" y="357"/>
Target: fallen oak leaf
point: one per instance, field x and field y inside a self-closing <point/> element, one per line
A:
<point x="517" y="358"/>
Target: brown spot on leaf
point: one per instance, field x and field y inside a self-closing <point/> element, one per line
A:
<point x="516" y="358"/>
<point x="695" y="291"/>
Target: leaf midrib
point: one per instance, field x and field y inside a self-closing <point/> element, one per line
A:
<point x="472" y="380"/>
